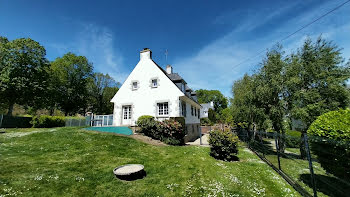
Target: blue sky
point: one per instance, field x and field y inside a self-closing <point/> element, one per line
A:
<point x="205" y="39"/>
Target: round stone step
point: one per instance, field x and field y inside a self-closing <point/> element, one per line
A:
<point x="130" y="172"/>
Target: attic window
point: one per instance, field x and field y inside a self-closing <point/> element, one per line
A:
<point x="134" y="85"/>
<point x="154" y="83"/>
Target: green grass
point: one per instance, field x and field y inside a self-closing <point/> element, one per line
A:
<point x="298" y="169"/>
<point x="76" y="162"/>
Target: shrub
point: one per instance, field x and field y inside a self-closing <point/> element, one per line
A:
<point x="171" y="132"/>
<point x="292" y="139"/>
<point x="330" y="141"/>
<point x="223" y="145"/>
<point x="48" y="121"/>
<point x="205" y="122"/>
<point x="148" y="126"/>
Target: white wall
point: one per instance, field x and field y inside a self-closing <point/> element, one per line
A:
<point x="144" y="99"/>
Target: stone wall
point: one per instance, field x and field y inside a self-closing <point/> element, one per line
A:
<point x="192" y="132"/>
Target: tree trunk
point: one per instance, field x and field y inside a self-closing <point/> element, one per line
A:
<point x="302" y="146"/>
<point x="10" y="109"/>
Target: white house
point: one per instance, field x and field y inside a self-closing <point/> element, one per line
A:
<point x="150" y="90"/>
<point x="205" y="109"/>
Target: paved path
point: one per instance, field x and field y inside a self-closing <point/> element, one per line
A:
<point x="205" y="139"/>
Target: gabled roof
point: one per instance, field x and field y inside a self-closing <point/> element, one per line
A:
<point x="175" y="77"/>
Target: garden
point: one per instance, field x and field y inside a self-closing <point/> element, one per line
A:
<point x="72" y="161"/>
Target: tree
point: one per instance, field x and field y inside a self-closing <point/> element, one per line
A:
<point x="71" y="74"/>
<point x="212" y="115"/>
<point x="315" y="82"/>
<point x="226" y="117"/>
<point x="102" y="88"/>
<point x="245" y="109"/>
<point x="206" y="96"/>
<point x="270" y="90"/>
<point x="23" y="72"/>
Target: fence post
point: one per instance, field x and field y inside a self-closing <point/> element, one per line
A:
<point x="278" y="152"/>
<point x="310" y="165"/>
<point x="79" y="122"/>
<point x="2" y="117"/>
<point x="200" y="135"/>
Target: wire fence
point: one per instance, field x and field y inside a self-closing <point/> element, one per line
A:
<point x="77" y="121"/>
<point x="314" y="166"/>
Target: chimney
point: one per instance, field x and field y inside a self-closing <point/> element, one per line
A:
<point x="146" y="53"/>
<point x="169" y="69"/>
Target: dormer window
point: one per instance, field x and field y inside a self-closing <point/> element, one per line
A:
<point x="135" y="85"/>
<point x="182" y="87"/>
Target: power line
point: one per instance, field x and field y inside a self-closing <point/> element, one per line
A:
<point x="301" y="28"/>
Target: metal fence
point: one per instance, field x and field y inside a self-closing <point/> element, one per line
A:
<point x="77" y="121"/>
<point x="101" y="120"/>
<point x="314" y="166"/>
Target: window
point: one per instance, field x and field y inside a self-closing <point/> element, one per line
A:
<point x="183" y="87"/>
<point x="195" y="112"/>
<point x="163" y="109"/>
<point x="134" y="85"/>
<point x="198" y="113"/>
<point x="192" y="110"/>
<point x="154" y="83"/>
<point x="127" y="112"/>
<point x="184" y="112"/>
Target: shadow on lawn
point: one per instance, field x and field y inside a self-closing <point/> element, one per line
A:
<point x="330" y="186"/>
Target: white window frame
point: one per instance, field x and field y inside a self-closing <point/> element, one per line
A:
<point x="184" y="110"/>
<point x="132" y="85"/>
<point x="154" y="85"/>
<point x="163" y="109"/>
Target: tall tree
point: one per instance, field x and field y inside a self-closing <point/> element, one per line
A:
<point x="244" y="106"/>
<point x="102" y="88"/>
<point x="23" y="72"/>
<point x="316" y="82"/>
<point x="70" y="76"/>
<point x="206" y="96"/>
<point x="270" y="90"/>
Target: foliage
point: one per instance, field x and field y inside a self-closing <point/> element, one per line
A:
<point x="148" y="126"/>
<point x="45" y="121"/>
<point x="292" y="139"/>
<point x="212" y="115"/>
<point x="171" y="132"/>
<point x="102" y="88"/>
<point x="226" y="117"/>
<point x="223" y="145"/>
<point x="206" y="96"/>
<point x="23" y="72"/>
<point x="333" y="125"/>
<point x="205" y="122"/>
<point x="316" y="81"/>
<point x="332" y="142"/>
<point x="70" y="76"/>
<point x="15" y="122"/>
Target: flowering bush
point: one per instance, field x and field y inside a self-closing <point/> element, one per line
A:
<point x="223" y="145"/>
<point x="168" y="131"/>
<point x="171" y="132"/>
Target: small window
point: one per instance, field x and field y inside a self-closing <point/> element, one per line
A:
<point x="163" y="109"/>
<point x="198" y="113"/>
<point x="192" y="110"/>
<point x="184" y="112"/>
<point x="195" y="112"/>
<point x="134" y="85"/>
<point x="183" y="87"/>
<point x="154" y="83"/>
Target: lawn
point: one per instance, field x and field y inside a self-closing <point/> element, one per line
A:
<point x="298" y="169"/>
<point x="76" y="162"/>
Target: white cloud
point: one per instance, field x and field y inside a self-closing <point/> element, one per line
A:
<point x="213" y="67"/>
<point x="98" y="45"/>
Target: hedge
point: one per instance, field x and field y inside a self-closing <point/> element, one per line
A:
<point x="45" y="121"/>
<point x="15" y="122"/>
<point x="329" y="137"/>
